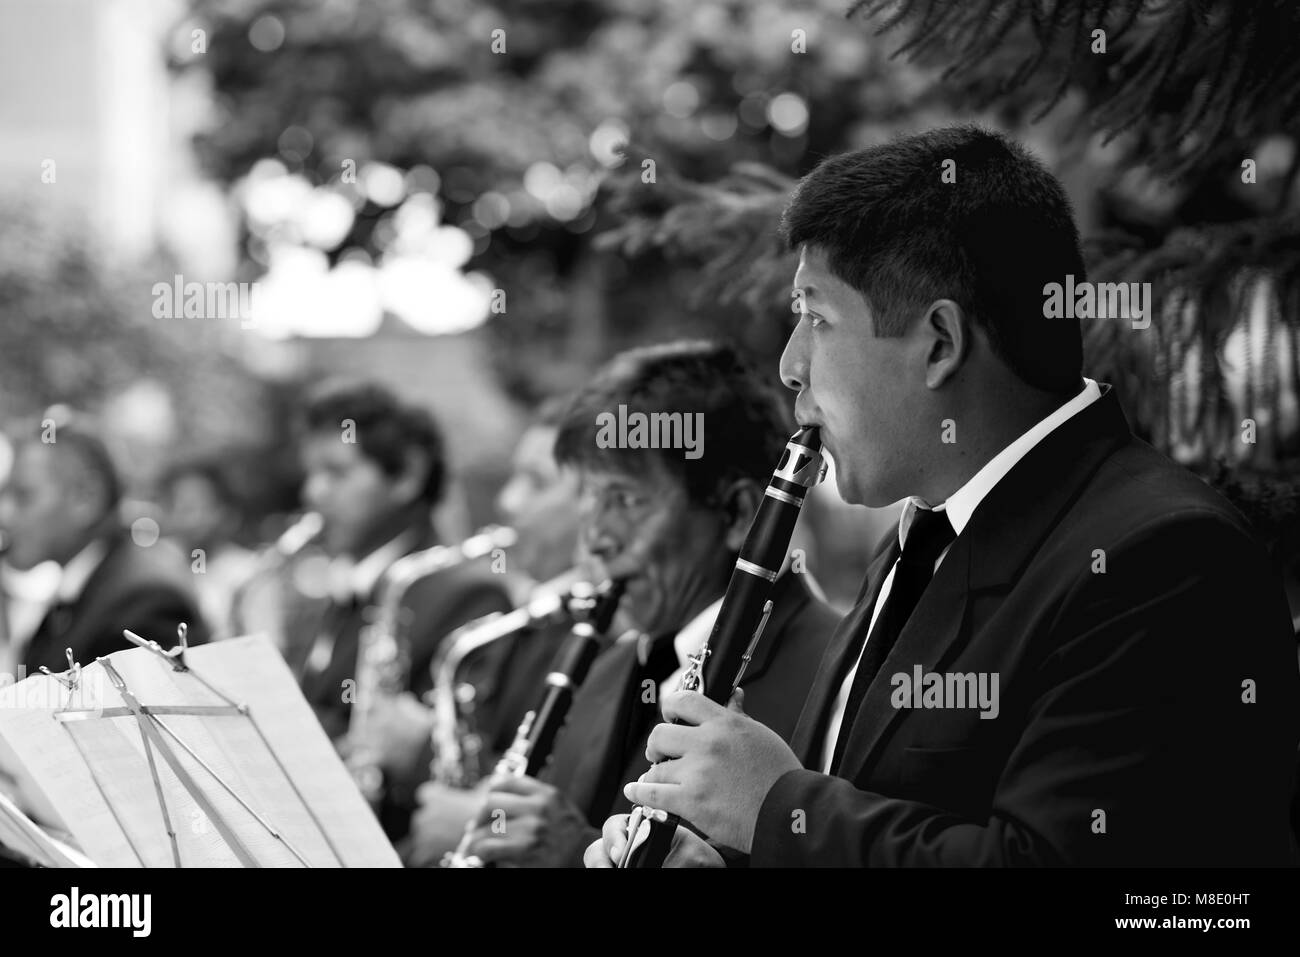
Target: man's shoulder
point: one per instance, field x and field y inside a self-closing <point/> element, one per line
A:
<point x="465" y="578"/>
<point x="130" y="568"/>
<point x="1138" y="486"/>
<point x="1140" y="502"/>
<point x="814" y="620"/>
<point x="617" y="658"/>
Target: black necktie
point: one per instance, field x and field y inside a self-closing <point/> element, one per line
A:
<point x="57" y="620"/>
<point x="661" y="661"/>
<point x="927" y="537"/>
<point x="335" y="615"/>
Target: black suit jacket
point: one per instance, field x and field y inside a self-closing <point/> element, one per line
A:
<point x="148" y="590"/>
<point x="1123" y="735"/>
<point x="434" y="606"/>
<point x="592" y="762"/>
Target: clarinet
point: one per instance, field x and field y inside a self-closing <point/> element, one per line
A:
<point x="741" y="620"/>
<point x="594" y="610"/>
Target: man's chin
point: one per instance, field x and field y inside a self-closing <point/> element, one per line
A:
<point x="642" y="617"/>
<point x="338" y="542"/>
<point x="20" y="562"/>
<point x="845" y="485"/>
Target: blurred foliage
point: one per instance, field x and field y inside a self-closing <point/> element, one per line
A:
<point x="77" y="329"/>
<point x="68" y="333"/>
<point x="416" y="83"/>
<point x="1192" y="78"/>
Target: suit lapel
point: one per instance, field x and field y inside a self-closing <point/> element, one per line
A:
<point x="81" y="622"/>
<point x="95" y="600"/>
<point x="812" y="720"/>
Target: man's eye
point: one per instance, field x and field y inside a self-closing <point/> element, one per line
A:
<point x="627" y="500"/>
<point x="814" y="319"/>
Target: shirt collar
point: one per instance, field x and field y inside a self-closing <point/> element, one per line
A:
<point x="357" y="579"/>
<point x="962" y="503"/>
<point x="692" y="636"/>
<point x="687" y="641"/>
<point x="78" y="570"/>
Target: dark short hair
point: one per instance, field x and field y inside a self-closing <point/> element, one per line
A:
<point x="387" y="429"/>
<point x="891" y="228"/>
<point x="550" y="412"/>
<point x="208" y="467"/>
<point x="745" y="424"/>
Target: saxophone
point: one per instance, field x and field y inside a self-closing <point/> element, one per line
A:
<point x="457" y="741"/>
<point x="271" y="563"/>
<point x="384" y="652"/>
<point x="592" y="610"/>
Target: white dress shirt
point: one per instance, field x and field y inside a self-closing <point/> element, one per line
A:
<point x="688" y="641"/>
<point x="38" y="593"/>
<point x="79" y="569"/>
<point x="350" y="580"/>
<point x="25" y="598"/>
<point x="960" y="505"/>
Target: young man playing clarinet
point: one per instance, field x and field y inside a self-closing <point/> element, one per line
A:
<point x="668" y="520"/>
<point x="1072" y="651"/>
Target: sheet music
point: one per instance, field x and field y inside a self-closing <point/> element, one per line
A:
<point x="114" y="814"/>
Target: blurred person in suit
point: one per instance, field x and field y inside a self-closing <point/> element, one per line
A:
<point x="24" y="595"/>
<point x="61" y="504"/>
<point x="374" y="467"/>
<point x="540" y="501"/>
<point x="1071" y="651"/>
<point x="201" y="514"/>
<point x="670" y="523"/>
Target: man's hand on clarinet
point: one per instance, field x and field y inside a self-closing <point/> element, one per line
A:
<point x="713" y="769"/>
<point x="688" y="848"/>
<point x="524" y="822"/>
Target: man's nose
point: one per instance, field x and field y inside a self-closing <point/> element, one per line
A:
<point x="794" y="360"/>
<point x="510" y="500"/>
<point x="598" y="539"/>
<point x="313" y="491"/>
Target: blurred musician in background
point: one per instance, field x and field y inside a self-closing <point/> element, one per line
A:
<point x="201" y="514"/>
<point x="61" y="504"/>
<point x="374" y="468"/>
<point x="540" y="501"/>
<point x="671" y="524"/>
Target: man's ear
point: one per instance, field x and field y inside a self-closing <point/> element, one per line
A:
<point x="949" y="334"/>
<point x="409" y="484"/>
<point x="739" y="504"/>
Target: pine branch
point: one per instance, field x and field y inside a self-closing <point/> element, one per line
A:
<point x="728" y="229"/>
<point x="1177" y="67"/>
